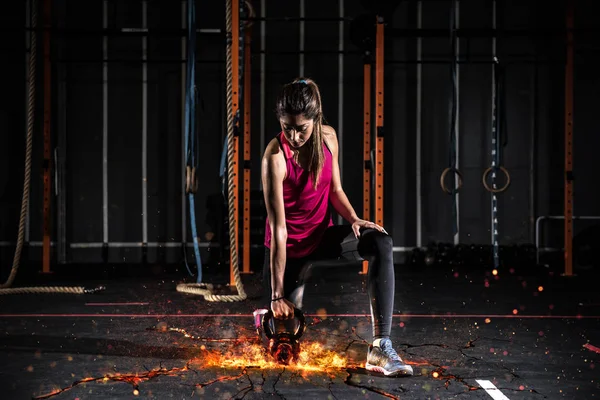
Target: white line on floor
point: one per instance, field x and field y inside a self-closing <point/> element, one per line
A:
<point x="492" y="390"/>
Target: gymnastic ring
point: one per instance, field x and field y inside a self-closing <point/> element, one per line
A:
<point x="443" y="178"/>
<point x="490" y="189"/>
<point x="188" y="177"/>
<point x="248" y="23"/>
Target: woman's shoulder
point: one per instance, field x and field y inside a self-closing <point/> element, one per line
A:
<point x="328" y="130"/>
<point x="330" y="137"/>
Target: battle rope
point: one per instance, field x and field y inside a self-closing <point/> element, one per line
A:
<point x="453" y="117"/>
<point x="5" y="287"/>
<point x="204" y="289"/>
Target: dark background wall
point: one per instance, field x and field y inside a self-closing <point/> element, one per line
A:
<point x="534" y="125"/>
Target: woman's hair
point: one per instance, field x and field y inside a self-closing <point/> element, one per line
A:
<point x="302" y="97"/>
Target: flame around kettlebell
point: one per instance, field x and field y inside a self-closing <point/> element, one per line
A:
<point x="284" y="336"/>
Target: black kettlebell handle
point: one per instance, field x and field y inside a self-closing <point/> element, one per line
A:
<point x="298" y="314"/>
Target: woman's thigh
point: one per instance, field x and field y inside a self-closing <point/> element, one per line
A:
<point x="338" y="242"/>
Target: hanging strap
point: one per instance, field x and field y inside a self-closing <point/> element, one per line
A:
<point x="452" y="159"/>
<point x="190" y="131"/>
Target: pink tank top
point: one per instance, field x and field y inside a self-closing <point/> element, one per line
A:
<point x="307" y="214"/>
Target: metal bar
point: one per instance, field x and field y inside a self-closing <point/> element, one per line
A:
<point x="144" y="126"/>
<point x="538" y="232"/>
<point x="379" y="86"/>
<point x="541" y="33"/>
<point x="247" y="147"/>
<point x="506" y="61"/>
<point x="457" y="124"/>
<point x="123" y="32"/>
<point x="99" y="245"/>
<point x="532" y="152"/>
<point x="263" y="48"/>
<point x="340" y="127"/>
<point x="304" y="51"/>
<point x="105" y="126"/>
<point x="302" y="18"/>
<point x="183" y="155"/>
<point x="61" y="162"/>
<point x="367" y="165"/>
<point x="301" y="46"/>
<point x="235" y="47"/>
<point x="568" y="190"/>
<point x="138" y="61"/>
<point x="47" y="165"/>
<point x="29" y="77"/>
<point x="419" y="103"/>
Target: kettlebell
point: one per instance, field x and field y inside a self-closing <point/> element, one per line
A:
<point x="284" y="336"/>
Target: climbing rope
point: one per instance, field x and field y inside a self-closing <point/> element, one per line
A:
<point x="206" y="290"/>
<point x="5" y="288"/>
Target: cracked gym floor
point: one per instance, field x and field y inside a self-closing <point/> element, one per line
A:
<point x="529" y="334"/>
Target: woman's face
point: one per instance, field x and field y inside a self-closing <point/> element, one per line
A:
<point x="297" y="129"/>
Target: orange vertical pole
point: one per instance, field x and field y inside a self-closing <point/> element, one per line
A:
<point x="47" y="138"/>
<point x="247" y="126"/>
<point x="569" y="144"/>
<point x="379" y="113"/>
<point x="235" y="66"/>
<point x="368" y="168"/>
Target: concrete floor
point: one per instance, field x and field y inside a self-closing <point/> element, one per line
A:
<point x="528" y="334"/>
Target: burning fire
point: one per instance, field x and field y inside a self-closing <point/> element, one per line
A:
<point x="313" y="357"/>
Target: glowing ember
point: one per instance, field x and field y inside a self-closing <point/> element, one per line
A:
<point x="313" y="357"/>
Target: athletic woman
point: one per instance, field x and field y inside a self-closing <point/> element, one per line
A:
<point x="300" y="176"/>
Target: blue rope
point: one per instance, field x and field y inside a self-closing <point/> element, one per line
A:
<point x="190" y="125"/>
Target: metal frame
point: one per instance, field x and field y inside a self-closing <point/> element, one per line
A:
<point x="247" y="148"/>
<point x="390" y="32"/>
<point x="419" y="33"/>
<point x="25" y="105"/>
<point x="340" y="127"/>
<point x="568" y="185"/>
<point x="367" y="164"/>
<point x="47" y="158"/>
<point x="263" y="71"/>
<point x="419" y="133"/>
<point x="61" y="158"/>
<point x="105" y="236"/>
<point x="100" y="245"/>
<point x="183" y="133"/>
<point x="301" y="38"/>
<point x="144" y="130"/>
<point x="379" y="141"/>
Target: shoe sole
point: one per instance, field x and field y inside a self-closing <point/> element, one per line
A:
<point x="374" y="368"/>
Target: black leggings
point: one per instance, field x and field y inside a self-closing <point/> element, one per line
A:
<point x="339" y="243"/>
